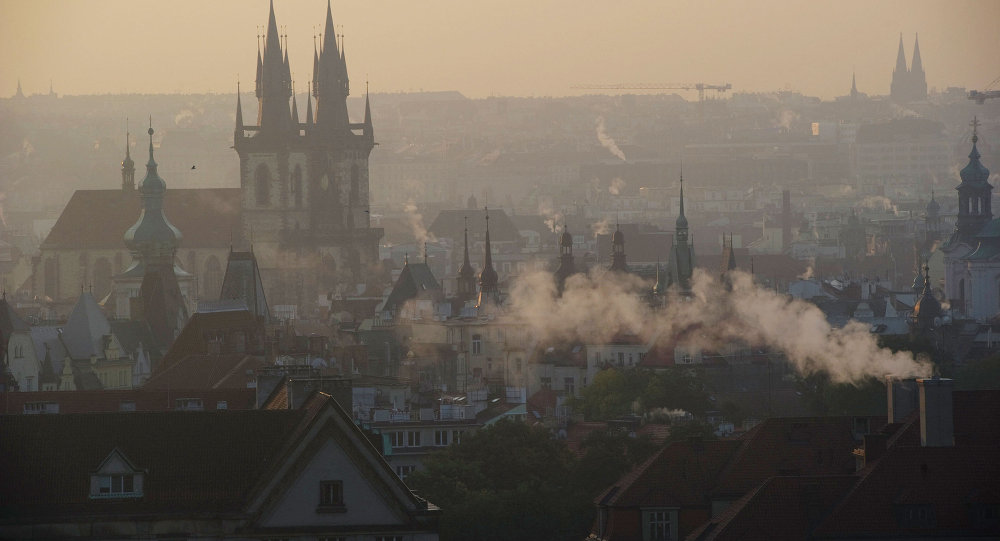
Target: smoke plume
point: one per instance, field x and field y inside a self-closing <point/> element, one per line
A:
<point x="606" y="140"/>
<point x="416" y="222"/>
<point x="616" y="186"/>
<point x="602" y="227"/>
<point x="593" y="308"/>
<point x="552" y="216"/>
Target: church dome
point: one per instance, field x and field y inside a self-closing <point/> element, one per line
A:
<point x="974" y="172"/>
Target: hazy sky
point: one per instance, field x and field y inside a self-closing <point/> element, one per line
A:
<point x="509" y="47"/>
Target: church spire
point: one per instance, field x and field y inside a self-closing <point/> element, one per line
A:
<point x="854" y="86"/>
<point x="128" y="166"/>
<point x="19" y="93"/>
<point x="974" y="193"/>
<point x="917" y="65"/>
<point x="489" y="290"/>
<point x="331" y="80"/>
<point x="900" y="57"/>
<point x="274" y="85"/>
<point x="369" y="130"/>
<point x="618" y="263"/>
<point x="682" y="223"/>
<point x="238" y="131"/>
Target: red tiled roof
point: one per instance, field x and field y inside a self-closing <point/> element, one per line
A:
<point x="793" y="446"/>
<point x="143" y="399"/>
<point x="207" y="217"/>
<point x="780" y="508"/>
<point x="207" y="371"/>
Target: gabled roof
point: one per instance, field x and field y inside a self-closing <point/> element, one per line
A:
<point x="99" y="218"/>
<point x="416" y="279"/>
<point x="10" y="320"/>
<point x="243" y="281"/>
<point x="206" y="371"/>
<point x="85" y="329"/>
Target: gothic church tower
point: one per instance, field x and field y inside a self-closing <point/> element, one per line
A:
<point x="305" y="207"/>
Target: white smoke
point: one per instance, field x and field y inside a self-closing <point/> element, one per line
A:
<point x="616" y="187"/>
<point x="807" y="275"/>
<point x="606" y="140"/>
<point x="593" y="308"/>
<point x="416" y="222"/>
<point x="878" y="202"/>
<point x="552" y="216"/>
<point x="602" y="227"/>
<point x="786" y="117"/>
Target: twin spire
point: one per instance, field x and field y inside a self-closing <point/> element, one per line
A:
<point x="330" y="86"/>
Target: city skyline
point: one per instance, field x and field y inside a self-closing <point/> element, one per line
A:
<point x="525" y="50"/>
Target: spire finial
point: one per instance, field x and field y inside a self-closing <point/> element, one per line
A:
<point x="975" y="129"/>
<point x="150" y="132"/>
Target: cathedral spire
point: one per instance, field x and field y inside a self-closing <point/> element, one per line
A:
<point x="331" y="78"/>
<point x="309" y="108"/>
<point x="854" y="86"/>
<point x="917" y="65"/>
<point x="900" y="57"/>
<point x="238" y="132"/>
<point x="369" y="129"/>
<point x="618" y="263"/>
<point x="274" y="83"/>
<point x="682" y="223"/>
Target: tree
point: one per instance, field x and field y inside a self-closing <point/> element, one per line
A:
<point x="608" y="456"/>
<point x="506" y="481"/>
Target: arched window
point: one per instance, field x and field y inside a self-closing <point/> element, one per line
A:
<point x="262" y="185"/>
<point x="297" y="186"/>
<point x="102" y="277"/>
<point x="213" y="278"/>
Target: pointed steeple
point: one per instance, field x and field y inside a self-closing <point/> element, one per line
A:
<point x="854" y="86"/>
<point x="466" y="284"/>
<point x="153" y="239"/>
<point x="19" y="93"/>
<point x="295" y="114"/>
<point x="273" y="115"/>
<point x="489" y="289"/>
<point x="128" y="167"/>
<point x="331" y="80"/>
<point x="238" y="131"/>
<point x="682" y="223"/>
<point x="369" y="129"/>
<point x="260" y="73"/>
<point x="567" y="266"/>
<point x="658" y="287"/>
<point x="900" y="57"/>
<point x="309" y="110"/>
<point x="917" y="66"/>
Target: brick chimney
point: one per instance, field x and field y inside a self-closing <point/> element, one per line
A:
<point x="937" y="424"/>
<point x="902" y="397"/>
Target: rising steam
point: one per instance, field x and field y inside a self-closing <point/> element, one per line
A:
<point x="416" y="222"/>
<point x="617" y="185"/>
<point x="596" y="308"/>
<point x="606" y="140"/>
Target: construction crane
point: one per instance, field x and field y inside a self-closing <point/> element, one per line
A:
<point x="987" y="93"/>
<point x="700" y="87"/>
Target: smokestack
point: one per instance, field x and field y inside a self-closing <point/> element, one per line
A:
<point x="937" y="423"/>
<point x="902" y="398"/>
<point x="786" y="220"/>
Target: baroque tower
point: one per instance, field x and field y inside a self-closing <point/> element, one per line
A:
<point x="305" y="206"/>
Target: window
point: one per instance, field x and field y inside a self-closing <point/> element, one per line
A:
<point x="331" y="493"/>
<point x="477" y="344"/>
<point x="41" y="407"/>
<point x="546" y="383"/>
<point x="916" y="516"/>
<point x="621" y="358"/>
<point x="440" y="437"/>
<point x="396" y="439"/>
<point x="403" y="471"/>
<point x="658" y="525"/>
<point x="222" y="405"/>
<point x="570" y="386"/>
<point x="456" y="436"/>
<point x="413" y="438"/>
<point x="126" y="405"/>
<point x="189" y="404"/>
<point x="119" y="485"/>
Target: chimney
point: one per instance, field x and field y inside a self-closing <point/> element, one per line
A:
<point x="902" y="398"/>
<point x="937" y="424"/>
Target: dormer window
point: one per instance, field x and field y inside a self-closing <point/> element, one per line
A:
<point x="116" y="477"/>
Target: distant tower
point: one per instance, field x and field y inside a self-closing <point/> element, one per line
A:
<point x="927" y="310"/>
<point x="153" y="241"/>
<point x="466" y="286"/>
<point x="681" y="263"/>
<point x="854" y="87"/>
<point x="618" y="263"/>
<point x="19" y="94"/>
<point x="908" y="84"/>
<point x="305" y="184"/>
<point x="489" y="281"/>
<point x="128" y="168"/>
<point x="974" y="195"/>
<point x="728" y="257"/>
<point x="932" y="221"/>
<point x="566" y="265"/>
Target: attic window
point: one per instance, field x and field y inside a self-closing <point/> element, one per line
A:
<point x="116" y="478"/>
<point x="331" y="497"/>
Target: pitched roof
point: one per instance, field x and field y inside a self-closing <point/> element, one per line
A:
<point x="243" y="281"/>
<point x="793" y="446"/>
<point x="99" y="218"/>
<point x="207" y="371"/>
<point x="780" y="508"/>
<point x="414" y="280"/>
<point x="143" y="400"/>
<point x="86" y="328"/>
<point x="192" y="461"/>
<point x="10" y="320"/>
